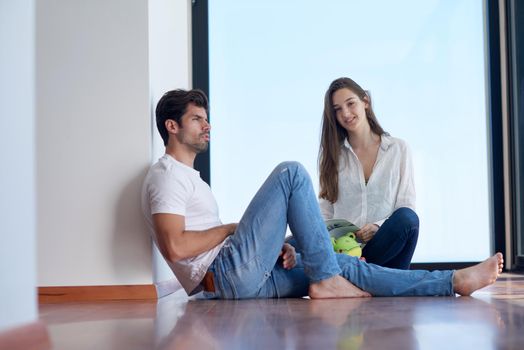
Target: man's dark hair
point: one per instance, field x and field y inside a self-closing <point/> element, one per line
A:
<point x="173" y="105"/>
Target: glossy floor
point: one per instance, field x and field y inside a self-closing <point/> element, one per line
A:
<point x="493" y="318"/>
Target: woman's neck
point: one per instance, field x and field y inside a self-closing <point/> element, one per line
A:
<point x="362" y="139"/>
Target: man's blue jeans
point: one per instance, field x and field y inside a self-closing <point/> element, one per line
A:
<point x="247" y="266"/>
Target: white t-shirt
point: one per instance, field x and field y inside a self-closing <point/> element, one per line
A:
<point x="390" y="186"/>
<point x="171" y="187"/>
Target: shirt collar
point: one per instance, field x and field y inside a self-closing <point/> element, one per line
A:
<point x="180" y="164"/>
<point x="385" y="142"/>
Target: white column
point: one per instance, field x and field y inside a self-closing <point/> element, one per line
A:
<point x="17" y="156"/>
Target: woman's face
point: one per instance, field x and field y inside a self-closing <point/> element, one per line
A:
<point x="350" y="110"/>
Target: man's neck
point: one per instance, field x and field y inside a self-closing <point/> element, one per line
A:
<point x="184" y="157"/>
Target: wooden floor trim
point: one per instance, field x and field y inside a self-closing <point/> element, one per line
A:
<point x="26" y="337"/>
<point x="96" y="293"/>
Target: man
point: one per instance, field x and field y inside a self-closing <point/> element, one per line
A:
<point x="250" y="259"/>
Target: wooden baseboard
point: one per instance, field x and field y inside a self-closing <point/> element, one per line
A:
<point x="96" y="293"/>
<point x="441" y="266"/>
<point x="27" y="337"/>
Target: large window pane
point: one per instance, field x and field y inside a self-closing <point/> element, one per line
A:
<point x="424" y="64"/>
<point x="516" y="35"/>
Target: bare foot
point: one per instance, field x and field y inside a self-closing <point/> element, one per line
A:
<point x="335" y="287"/>
<point x="468" y="280"/>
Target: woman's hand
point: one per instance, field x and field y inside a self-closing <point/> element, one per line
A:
<point x="289" y="257"/>
<point x="367" y="232"/>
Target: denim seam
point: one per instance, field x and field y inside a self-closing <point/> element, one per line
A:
<point x="219" y="288"/>
<point x="227" y="275"/>
<point x="452" y="292"/>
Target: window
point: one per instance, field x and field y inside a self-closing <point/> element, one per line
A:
<point x="424" y="64"/>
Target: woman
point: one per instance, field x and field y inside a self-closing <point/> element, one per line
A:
<point x="366" y="177"/>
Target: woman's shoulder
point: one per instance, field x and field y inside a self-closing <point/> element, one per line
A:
<point x="389" y="140"/>
<point x="396" y="146"/>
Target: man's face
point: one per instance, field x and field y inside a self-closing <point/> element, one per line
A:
<point x="194" y="129"/>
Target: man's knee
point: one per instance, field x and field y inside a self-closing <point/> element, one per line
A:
<point x="291" y="166"/>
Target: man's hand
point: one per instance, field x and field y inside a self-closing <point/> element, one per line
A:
<point x="289" y="257"/>
<point x="367" y="232"/>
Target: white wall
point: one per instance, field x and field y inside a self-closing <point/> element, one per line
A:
<point x="169" y="68"/>
<point x="17" y="196"/>
<point x="93" y="141"/>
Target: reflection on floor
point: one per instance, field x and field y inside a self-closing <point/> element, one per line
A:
<point x="493" y="318"/>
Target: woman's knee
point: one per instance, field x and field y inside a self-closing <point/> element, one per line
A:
<point x="407" y="216"/>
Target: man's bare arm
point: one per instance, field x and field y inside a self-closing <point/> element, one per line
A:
<point x="175" y="243"/>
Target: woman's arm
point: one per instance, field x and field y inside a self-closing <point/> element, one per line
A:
<point x="326" y="209"/>
<point x="406" y="192"/>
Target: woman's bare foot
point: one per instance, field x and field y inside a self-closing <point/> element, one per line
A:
<point x="335" y="287"/>
<point x="468" y="280"/>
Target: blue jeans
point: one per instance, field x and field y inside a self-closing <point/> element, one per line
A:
<point x="394" y="243"/>
<point x="247" y="265"/>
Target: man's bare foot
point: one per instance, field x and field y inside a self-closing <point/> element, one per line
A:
<point x="335" y="287"/>
<point x="468" y="280"/>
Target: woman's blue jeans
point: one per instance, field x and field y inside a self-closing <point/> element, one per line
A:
<point x="248" y="266"/>
<point x="394" y="243"/>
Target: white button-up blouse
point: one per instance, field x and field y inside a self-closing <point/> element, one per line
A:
<point x="390" y="186"/>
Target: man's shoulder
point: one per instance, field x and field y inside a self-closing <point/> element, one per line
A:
<point x="168" y="167"/>
<point x="167" y="174"/>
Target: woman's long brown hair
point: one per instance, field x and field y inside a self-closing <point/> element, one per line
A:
<point x="332" y="137"/>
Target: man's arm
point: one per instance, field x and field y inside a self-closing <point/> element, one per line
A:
<point x="175" y="243"/>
